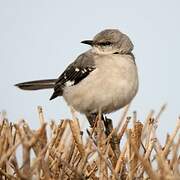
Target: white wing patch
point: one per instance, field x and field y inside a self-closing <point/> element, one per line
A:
<point x="77" y="69"/>
<point x="69" y="83"/>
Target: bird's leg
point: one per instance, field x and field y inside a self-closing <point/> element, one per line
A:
<point x="114" y="141"/>
<point x="108" y="125"/>
<point x="107" y="122"/>
<point x="91" y="118"/>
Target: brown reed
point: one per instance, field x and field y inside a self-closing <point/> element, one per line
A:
<point x="63" y="151"/>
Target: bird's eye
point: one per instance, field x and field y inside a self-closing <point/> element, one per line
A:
<point x="107" y="43"/>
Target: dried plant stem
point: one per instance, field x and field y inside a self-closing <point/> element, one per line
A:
<point x="62" y="151"/>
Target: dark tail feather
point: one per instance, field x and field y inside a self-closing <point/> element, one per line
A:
<point x="37" y="85"/>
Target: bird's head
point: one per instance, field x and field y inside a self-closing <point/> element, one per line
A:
<point x="110" y="41"/>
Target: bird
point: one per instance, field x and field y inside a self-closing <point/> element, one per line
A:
<point x="102" y="79"/>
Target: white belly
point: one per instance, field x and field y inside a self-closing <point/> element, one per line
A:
<point x="112" y="85"/>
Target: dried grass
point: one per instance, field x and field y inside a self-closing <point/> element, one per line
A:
<point x="69" y="153"/>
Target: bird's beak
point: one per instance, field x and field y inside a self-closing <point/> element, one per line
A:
<point x="89" y="42"/>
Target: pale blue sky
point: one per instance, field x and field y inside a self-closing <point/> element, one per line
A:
<point x="39" y="38"/>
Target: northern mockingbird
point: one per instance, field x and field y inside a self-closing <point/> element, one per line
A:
<point x="103" y="78"/>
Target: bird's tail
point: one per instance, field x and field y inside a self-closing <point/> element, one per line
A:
<point x="37" y="85"/>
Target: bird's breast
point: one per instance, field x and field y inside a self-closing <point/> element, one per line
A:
<point x="109" y="87"/>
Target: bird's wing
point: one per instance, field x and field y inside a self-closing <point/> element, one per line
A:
<point x="74" y="73"/>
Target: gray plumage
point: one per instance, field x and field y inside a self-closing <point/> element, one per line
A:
<point x="120" y="42"/>
<point x="74" y="73"/>
<point x="37" y="85"/>
<point x="103" y="78"/>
